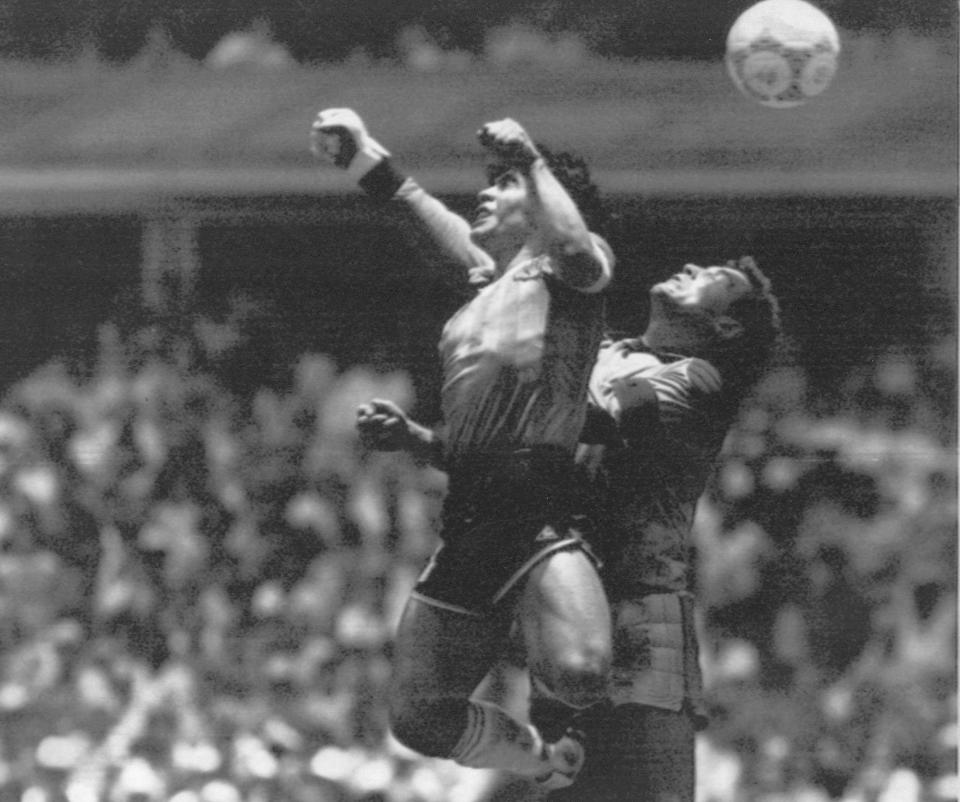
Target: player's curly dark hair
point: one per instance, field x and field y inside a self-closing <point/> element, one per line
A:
<point x="573" y="174"/>
<point x="743" y="358"/>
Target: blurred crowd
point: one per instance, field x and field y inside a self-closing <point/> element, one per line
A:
<point x="198" y="588"/>
<point x="828" y="581"/>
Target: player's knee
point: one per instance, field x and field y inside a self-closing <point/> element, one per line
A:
<point x="579" y="678"/>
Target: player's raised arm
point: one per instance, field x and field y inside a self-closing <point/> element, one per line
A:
<point x="580" y="259"/>
<point x="340" y="136"/>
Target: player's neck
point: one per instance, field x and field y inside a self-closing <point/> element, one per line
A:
<point x="513" y="256"/>
<point x="675" y="337"/>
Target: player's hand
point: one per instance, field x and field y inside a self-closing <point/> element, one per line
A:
<point x="508" y="141"/>
<point x="383" y="426"/>
<point x="340" y="136"/>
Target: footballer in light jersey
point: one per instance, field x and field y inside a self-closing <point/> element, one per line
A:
<point x="516" y="362"/>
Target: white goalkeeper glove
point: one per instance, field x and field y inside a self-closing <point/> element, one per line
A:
<point x="339" y="136"/>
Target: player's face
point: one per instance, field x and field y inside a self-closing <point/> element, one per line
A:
<point x="502" y="210"/>
<point x="709" y="290"/>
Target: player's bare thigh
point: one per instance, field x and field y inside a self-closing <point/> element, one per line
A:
<point x="565" y="620"/>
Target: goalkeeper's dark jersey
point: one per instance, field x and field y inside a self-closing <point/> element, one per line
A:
<point x="671" y="426"/>
<point x="671" y="429"/>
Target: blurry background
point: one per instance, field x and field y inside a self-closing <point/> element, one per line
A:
<point x="199" y="568"/>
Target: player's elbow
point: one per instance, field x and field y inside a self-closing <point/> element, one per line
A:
<point x="584" y="269"/>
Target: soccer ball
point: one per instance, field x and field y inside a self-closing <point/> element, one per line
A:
<point x="781" y="53"/>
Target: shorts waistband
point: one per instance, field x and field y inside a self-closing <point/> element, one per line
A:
<point x="478" y="460"/>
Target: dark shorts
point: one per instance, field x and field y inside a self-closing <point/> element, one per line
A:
<point x="503" y="514"/>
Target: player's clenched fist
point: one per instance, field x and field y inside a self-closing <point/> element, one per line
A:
<point x="508" y="140"/>
<point x="340" y="136"/>
<point x="383" y="426"/>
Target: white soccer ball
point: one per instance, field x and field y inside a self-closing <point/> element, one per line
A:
<point x="781" y="53"/>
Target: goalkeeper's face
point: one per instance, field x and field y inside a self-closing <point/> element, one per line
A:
<point x="502" y="216"/>
<point x="700" y="290"/>
<point x="695" y="304"/>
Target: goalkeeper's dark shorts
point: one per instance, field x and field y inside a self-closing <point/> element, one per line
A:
<point x="504" y="513"/>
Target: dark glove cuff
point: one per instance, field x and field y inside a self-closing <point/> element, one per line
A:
<point x="382" y="182"/>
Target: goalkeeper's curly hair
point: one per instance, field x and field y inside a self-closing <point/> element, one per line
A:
<point x="574" y="176"/>
<point x="742" y="360"/>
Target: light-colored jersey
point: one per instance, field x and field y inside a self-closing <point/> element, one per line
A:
<point x="516" y="362"/>
<point x="517" y="357"/>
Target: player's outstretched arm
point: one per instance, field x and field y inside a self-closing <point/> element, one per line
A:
<point x="339" y="136"/>
<point x="579" y="258"/>
<point x="383" y="426"/>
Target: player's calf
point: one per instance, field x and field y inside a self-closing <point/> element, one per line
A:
<point x="430" y="727"/>
<point x="482" y="735"/>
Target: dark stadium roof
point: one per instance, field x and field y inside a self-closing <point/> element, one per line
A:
<point x="886" y="126"/>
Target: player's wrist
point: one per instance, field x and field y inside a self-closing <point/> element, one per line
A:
<point x="363" y="162"/>
<point x="534" y="161"/>
<point x="382" y="180"/>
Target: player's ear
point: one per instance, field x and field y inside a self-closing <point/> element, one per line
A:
<point x="727" y="328"/>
